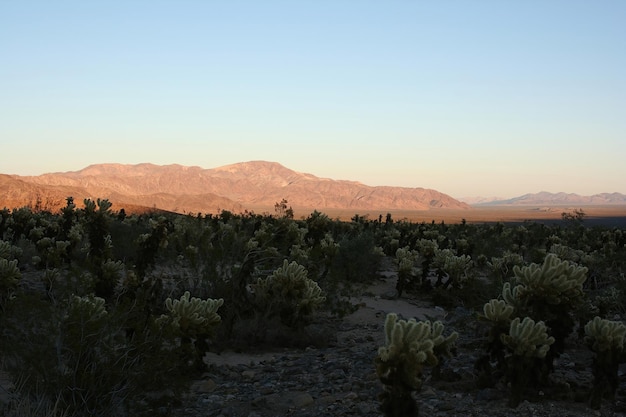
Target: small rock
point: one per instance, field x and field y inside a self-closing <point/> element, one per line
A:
<point x="248" y="375"/>
<point x="351" y="396"/>
<point x="489" y="394"/>
<point x="301" y="399"/>
<point x="390" y="295"/>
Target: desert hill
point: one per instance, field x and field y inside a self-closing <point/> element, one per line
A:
<point x="255" y="185"/>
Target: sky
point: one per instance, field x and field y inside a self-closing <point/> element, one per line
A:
<point x="467" y="97"/>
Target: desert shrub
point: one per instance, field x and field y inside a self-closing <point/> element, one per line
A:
<point x="79" y="355"/>
<point x="357" y="260"/>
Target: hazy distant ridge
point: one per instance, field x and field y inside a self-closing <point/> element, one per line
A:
<point x="248" y="185"/>
<point x="547" y="198"/>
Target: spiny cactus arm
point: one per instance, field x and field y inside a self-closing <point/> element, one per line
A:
<point x="442" y="346"/>
<point x="498" y="310"/>
<point x="390" y="322"/>
<point x="293" y="270"/>
<point x="414" y="331"/>
<point x="527" y="338"/>
<point x="513" y="296"/>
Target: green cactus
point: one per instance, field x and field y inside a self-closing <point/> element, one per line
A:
<point x="9" y="277"/>
<point x="497" y="311"/>
<point x="91" y="308"/>
<point x="193" y="320"/>
<point x="556" y="281"/>
<point x="9" y="274"/>
<point x="603" y="335"/>
<point x="406" y="260"/>
<point x="290" y="294"/>
<point x="527" y="338"/>
<point x="193" y="317"/>
<point x="606" y="339"/>
<point x="549" y="292"/>
<point x="409" y="346"/>
<point x="443" y="346"/>
<point x="5" y="249"/>
<point x="528" y="343"/>
<point x="498" y="314"/>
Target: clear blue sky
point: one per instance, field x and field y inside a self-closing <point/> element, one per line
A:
<point x="471" y="98"/>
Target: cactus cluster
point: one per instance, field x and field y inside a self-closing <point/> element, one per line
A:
<point x="556" y="281"/>
<point x="191" y="316"/>
<point x="549" y="292"/>
<point x="530" y="323"/>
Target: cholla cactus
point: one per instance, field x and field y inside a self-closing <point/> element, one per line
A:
<point x="427" y="247"/>
<point x="191" y="316"/>
<point x="556" y="281"/>
<point x="603" y="335"/>
<point x="502" y="265"/>
<point x="88" y="307"/>
<point x="606" y="338"/>
<point x="455" y="266"/>
<point x="5" y="249"/>
<point x="528" y="339"/>
<point x="409" y="346"/>
<point x="9" y="274"/>
<point x="406" y="259"/>
<point x="328" y="245"/>
<point x="528" y="343"/>
<point x="442" y="345"/>
<point x="289" y="293"/>
<point x="497" y="311"/>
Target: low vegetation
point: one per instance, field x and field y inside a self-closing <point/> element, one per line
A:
<point x="103" y="313"/>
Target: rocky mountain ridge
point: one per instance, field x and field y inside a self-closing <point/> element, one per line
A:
<point x="255" y="185"/>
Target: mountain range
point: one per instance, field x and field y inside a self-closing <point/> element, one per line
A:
<point x="253" y="186"/>
<point x="545" y="198"/>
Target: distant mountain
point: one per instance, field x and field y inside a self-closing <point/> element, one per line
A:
<point x="256" y="185"/>
<point x="479" y="200"/>
<point x="545" y="198"/>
